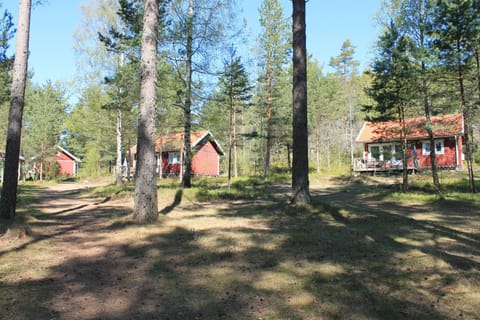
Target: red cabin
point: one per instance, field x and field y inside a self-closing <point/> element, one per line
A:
<point x="67" y="162"/>
<point x="383" y="151"/>
<point x="206" y="153"/>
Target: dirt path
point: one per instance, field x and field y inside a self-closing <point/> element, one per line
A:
<point x="68" y="235"/>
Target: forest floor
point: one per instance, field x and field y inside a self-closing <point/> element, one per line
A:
<point x="354" y="253"/>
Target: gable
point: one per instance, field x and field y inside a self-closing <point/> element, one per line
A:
<point x="63" y="154"/>
<point x="174" y="142"/>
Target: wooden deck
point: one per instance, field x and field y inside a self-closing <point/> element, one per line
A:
<point x="374" y="166"/>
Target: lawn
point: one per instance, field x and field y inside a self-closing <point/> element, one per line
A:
<point x="361" y="250"/>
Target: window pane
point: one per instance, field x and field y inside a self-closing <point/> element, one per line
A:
<point x="173" y="157"/>
<point x="375" y="152"/>
<point x="426" y="148"/>
<point x="439" y="146"/>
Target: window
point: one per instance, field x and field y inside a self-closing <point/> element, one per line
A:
<point x="174" y="157"/>
<point x="375" y="152"/>
<point x="425" y="148"/>
<point x="439" y="147"/>
<point x="385" y="152"/>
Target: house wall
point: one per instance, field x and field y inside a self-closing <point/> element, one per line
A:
<point x="66" y="164"/>
<point x="451" y="156"/>
<point x="167" y="168"/>
<point x="447" y="159"/>
<point x="206" y="161"/>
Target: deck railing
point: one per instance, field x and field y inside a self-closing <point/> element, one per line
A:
<point x="372" y="165"/>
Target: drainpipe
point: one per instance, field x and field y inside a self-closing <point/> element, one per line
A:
<point x="456" y="153"/>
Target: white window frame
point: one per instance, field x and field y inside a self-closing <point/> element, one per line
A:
<point x="383" y="149"/>
<point x="173" y="157"/>
<point x="426" y="152"/>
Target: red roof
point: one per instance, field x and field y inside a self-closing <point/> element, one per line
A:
<point x="174" y="141"/>
<point x="443" y="126"/>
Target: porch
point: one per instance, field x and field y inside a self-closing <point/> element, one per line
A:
<point x="373" y="166"/>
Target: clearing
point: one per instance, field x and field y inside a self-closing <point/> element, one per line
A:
<point x="355" y="253"/>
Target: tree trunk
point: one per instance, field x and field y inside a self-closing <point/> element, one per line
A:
<point x="317" y="144"/>
<point x="428" y="113"/>
<point x="230" y="141"/>
<point x="268" y="145"/>
<point x="300" y="183"/>
<point x="234" y="143"/>
<point x="404" y="150"/>
<point x="8" y="200"/>
<point x="187" y="111"/>
<point x="146" y="204"/>
<point x="433" y="151"/>
<point x="118" y="164"/>
<point x="289" y="154"/>
<point x="468" y="130"/>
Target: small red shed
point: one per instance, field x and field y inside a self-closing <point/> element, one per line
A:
<point x="382" y="143"/>
<point x="206" y="153"/>
<point x="67" y="162"/>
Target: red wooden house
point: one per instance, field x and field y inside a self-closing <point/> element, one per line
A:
<point x="382" y="144"/>
<point x="67" y="162"/>
<point x="205" y="150"/>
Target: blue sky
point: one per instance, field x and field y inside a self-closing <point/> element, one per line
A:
<point x="329" y="24"/>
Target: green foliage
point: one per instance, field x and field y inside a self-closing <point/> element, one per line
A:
<point x="6" y="63"/>
<point x="229" y="101"/>
<point x="46" y="109"/>
<point x="91" y="163"/>
<point x="89" y="124"/>
<point x="394" y="75"/>
<point x="344" y="63"/>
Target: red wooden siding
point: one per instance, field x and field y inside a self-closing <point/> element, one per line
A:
<point x="206" y="154"/>
<point x="449" y="159"/>
<point x="65" y="163"/>
<point x="205" y="160"/>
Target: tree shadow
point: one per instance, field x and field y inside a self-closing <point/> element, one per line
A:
<point x="251" y="260"/>
<point x="176" y="201"/>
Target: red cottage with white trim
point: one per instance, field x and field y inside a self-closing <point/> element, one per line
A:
<point x="206" y="153"/>
<point x="382" y="144"/>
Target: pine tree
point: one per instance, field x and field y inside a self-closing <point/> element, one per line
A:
<point x="393" y="85"/>
<point x="145" y="203"/>
<point x="198" y="31"/>
<point x="300" y="182"/>
<point x="8" y="200"/>
<point x="274" y="46"/>
<point x="455" y="31"/>
<point x="6" y="63"/>
<point x="235" y="89"/>
<point x="346" y="67"/>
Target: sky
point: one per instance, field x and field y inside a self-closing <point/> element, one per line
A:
<point x="329" y="24"/>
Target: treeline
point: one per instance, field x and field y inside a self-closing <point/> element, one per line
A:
<point x="426" y="63"/>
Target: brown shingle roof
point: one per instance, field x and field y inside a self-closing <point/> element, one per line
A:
<point x="443" y="126"/>
<point x="174" y="141"/>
